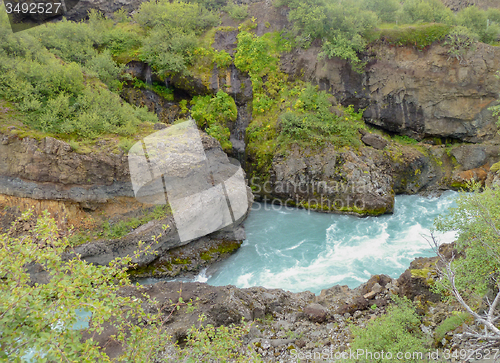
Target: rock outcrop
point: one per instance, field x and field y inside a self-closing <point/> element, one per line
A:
<point x="418" y="93"/>
<point x="282" y="321"/>
<point x="85" y="190"/>
<point x="81" y="9"/>
<point x="457" y="5"/>
<point x="351" y="181"/>
<point x="365" y="181"/>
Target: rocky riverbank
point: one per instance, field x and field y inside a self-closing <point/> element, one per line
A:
<point x="286" y="325"/>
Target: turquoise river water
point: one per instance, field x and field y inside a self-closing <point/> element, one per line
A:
<point x="298" y="250"/>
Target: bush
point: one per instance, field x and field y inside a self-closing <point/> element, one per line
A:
<point x="58" y="320"/>
<point x="417" y="36"/>
<point x="386" y="10"/>
<point x="427" y="11"/>
<point x="312" y="122"/>
<point x="476" y="220"/>
<point x="212" y="115"/>
<point x="190" y="17"/>
<point x="396" y="331"/>
<point x="449" y="324"/>
<point x="94" y="112"/>
<point x="119" y="40"/>
<point x="39" y="320"/>
<point x="55" y="98"/>
<point x="208" y="343"/>
<point x="341" y="25"/>
<point x="486" y="24"/>
<point x="208" y="110"/>
<point x="237" y="12"/>
<point x="72" y="42"/>
<point x="104" y="67"/>
<point x="460" y="40"/>
<point x="168" y="50"/>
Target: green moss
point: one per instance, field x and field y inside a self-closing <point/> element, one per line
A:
<point x="226" y="247"/>
<point x="181" y="261"/>
<point x="404" y="140"/>
<point x="422" y="273"/>
<point x="495" y="167"/>
<point x="336" y="209"/>
<point x="460" y="185"/>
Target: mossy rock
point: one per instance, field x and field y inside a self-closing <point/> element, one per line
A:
<point x="495" y="167"/>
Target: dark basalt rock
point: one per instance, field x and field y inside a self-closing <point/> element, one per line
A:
<point x="374" y="141"/>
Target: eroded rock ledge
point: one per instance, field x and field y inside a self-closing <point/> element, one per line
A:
<point x="87" y="190"/>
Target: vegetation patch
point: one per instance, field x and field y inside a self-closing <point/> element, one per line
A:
<point x="159" y="88"/>
<point x="396" y="331"/>
<point x="303" y="116"/>
<point x="213" y="113"/>
<point x="419" y="36"/>
<point x="226" y="247"/>
<point x="107" y="230"/>
<point x="450" y="324"/>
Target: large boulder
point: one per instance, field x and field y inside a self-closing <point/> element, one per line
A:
<point x="332" y="181"/>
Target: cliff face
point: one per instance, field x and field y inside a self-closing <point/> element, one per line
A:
<point x="86" y="190"/>
<point x="411" y="92"/>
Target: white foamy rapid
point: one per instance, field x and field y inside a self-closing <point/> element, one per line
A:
<point x="298" y="250"/>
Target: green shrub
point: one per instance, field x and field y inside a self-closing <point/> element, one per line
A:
<point x="119" y="40"/>
<point x="386" y="10"/>
<point x="104" y="67"/>
<point x="222" y="134"/>
<point x="426" y="11"/>
<point x="460" y="40"/>
<point x="189" y="17"/>
<point x="450" y="324"/>
<point x="420" y="36"/>
<point x="212" y="114"/>
<point x="121" y="16"/>
<point x="168" y="50"/>
<point x="72" y="42"/>
<point x="208" y="343"/>
<point x="40" y="320"/>
<point x="396" y="331"/>
<point x="341" y="25"/>
<point x="300" y="115"/>
<point x="312" y="122"/>
<point x="237" y="12"/>
<point x="476" y="220"/>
